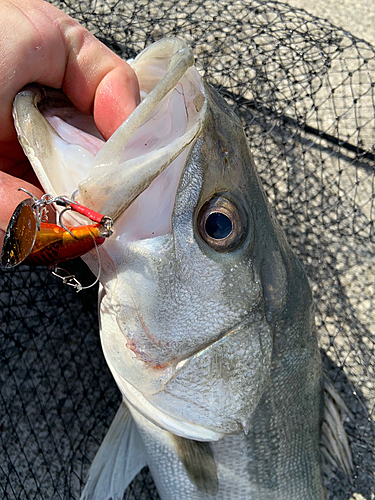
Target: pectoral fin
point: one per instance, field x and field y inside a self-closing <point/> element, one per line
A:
<point x="199" y="463"/>
<point x="119" y="459"/>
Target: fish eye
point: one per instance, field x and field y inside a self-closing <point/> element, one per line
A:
<point x="220" y="224"/>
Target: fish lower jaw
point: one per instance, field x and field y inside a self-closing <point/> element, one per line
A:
<point x="167" y="422"/>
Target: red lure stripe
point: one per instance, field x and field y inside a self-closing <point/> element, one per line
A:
<point x="91" y="214"/>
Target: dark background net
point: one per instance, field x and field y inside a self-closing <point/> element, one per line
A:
<point x="305" y="93"/>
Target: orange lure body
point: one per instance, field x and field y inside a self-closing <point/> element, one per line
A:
<point x="53" y="244"/>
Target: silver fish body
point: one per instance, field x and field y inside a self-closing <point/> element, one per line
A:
<point x="207" y="325"/>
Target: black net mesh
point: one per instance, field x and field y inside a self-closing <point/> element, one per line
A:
<point x="305" y="93"/>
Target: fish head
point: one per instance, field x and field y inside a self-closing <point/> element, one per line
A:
<point x="197" y="280"/>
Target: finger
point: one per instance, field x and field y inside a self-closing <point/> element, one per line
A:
<point x="14" y="162"/>
<point x="41" y="44"/>
<point x="112" y="95"/>
<point x="108" y="88"/>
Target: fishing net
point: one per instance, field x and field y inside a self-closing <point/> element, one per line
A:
<point x="304" y="91"/>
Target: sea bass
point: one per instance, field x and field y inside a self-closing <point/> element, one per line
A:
<point x="206" y="315"/>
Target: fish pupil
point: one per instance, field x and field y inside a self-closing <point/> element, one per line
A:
<point x="218" y="226"/>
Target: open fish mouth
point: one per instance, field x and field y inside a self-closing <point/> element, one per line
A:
<point x="68" y="153"/>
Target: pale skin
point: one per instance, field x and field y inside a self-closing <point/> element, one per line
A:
<point x="39" y="43"/>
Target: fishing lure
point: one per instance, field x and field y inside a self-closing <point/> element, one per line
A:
<point x="30" y="239"/>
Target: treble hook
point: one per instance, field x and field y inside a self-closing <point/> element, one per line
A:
<point x="62" y="224"/>
<point x="30" y="194"/>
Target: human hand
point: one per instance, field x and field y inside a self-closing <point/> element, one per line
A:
<point x="39" y="43"/>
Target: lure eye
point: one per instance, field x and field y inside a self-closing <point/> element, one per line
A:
<point x="221" y="225"/>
